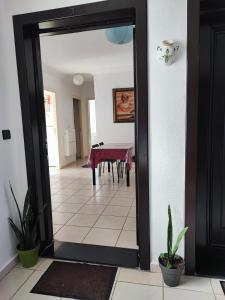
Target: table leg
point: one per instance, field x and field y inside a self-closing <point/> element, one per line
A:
<point x="128" y="177"/>
<point x="108" y="167"/>
<point x="94" y="176"/>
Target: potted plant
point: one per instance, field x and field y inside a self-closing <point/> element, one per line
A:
<point x="26" y="232"/>
<point x="171" y="264"/>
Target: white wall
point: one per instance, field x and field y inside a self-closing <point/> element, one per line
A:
<point x="167" y="91"/>
<point x="12" y="156"/>
<point x="65" y="91"/>
<point x="106" y="130"/>
<point x="167" y="19"/>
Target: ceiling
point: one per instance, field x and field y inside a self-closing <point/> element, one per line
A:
<point x="87" y="52"/>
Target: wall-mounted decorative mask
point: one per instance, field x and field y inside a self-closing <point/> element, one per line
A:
<point x="167" y="52"/>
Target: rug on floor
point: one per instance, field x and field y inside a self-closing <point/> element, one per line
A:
<point x="77" y="281"/>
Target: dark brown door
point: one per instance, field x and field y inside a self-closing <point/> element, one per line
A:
<point x="210" y="236"/>
<point x="77" y="126"/>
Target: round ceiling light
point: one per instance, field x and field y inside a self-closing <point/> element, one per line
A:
<point x="78" y="79"/>
<point x="120" y="35"/>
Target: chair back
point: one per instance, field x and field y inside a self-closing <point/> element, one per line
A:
<point x="95" y="146"/>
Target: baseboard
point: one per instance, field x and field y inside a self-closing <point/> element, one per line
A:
<point x="9" y="266"/>
<point x="155" y="267"/>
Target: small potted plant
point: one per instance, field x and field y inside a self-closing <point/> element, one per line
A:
<point x="26" y="232"/>
<point x="171" y="264"/>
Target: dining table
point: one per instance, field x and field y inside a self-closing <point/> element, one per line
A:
<point x="115" y="151"/>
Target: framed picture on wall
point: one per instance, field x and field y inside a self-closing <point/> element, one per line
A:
<point x="123" y="105"/>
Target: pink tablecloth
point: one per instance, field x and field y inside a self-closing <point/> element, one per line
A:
<point x="112" y="151"/>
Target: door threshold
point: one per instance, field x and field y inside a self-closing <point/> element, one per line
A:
<point x="113" y="256"/>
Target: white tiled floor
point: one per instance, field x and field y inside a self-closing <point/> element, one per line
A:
<point x="130" y="284"/>
<point x="104" y="214"/>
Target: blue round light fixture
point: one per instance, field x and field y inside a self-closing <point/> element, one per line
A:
<point x="120" y="35"/>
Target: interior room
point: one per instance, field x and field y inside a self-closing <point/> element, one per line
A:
<point x="81" y="117"/>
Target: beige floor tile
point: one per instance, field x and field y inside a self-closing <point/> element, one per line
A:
<point x="105" y="237"/>
<point x="129" y="189"/>
<point x="217" y="286"/>
<point x="65" y="192"/>
<point x="70" y="188"/>
<point x="127" y="239"/>
<point x="89" y="187"/>
<point x="110" y="188"/>
<point x="178" y="294"/>
<point x="12" y="282"/>
<point x="43" y="264"/>
<point x="85" y="193"/>
<point x="118" y="211"/>
<point x="132" y="212"/>
<point x="69" y="207"/>
<point x="105" y="193"/>
<point x="55" y="205"/>
<point x="60" y="218"/>
<point x="128" y="291"/>
<point x="194" y="283"/>
<point x="59" y="198"/>
<point x="141" y="277"/>
<point x="56" y="228"/>
<point x="86" y="220"/>
<point x="73" y="234"/>
<point x="92" y="209"/>
<point x="99" y="200"/>
<point x="24" y="292"/>
<point x="126" y="194"/>
<point x="130" y="224"/>
<point x="110" y="222"/>
<point x="121" y="201"/>
<point x="77" y="199"/>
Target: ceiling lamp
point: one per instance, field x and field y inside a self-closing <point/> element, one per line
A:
<point x="120" y="35"/>
<point x="78" y="79"/>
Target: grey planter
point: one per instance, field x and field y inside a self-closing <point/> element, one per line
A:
<point x="171" y="277"/>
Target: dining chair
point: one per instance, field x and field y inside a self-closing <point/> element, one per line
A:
<point x="111" y="161"/>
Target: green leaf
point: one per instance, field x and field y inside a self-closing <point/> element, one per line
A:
<point x="169" y="265"/>
<point x="179" y="238"/>
<point x="17" y="206"/>
<point x="169" y="233"/>
<point x="27" y="209"/>
<point x="17" y="232"/>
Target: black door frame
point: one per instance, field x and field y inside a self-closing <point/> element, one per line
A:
<point x="193" y="16"/>
<point x="27" y="29"/>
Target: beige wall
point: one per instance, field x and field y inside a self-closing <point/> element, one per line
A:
<point x="65" y="92"/>
<point x="87" y="93"/>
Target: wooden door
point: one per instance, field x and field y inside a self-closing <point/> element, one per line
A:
<point x="210" y="235"/>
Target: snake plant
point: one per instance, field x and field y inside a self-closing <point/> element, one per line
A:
<point x="170" y="256"/>
<point x="26" y="230"/>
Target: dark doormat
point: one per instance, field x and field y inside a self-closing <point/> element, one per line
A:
<point x="78" y="281"/>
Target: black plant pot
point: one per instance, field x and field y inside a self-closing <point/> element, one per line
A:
<point x="171" y="277"/>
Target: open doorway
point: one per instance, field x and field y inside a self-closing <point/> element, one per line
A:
<point x="51" y="128"/>
<point x="92" y="118"/>
<point x="97" y="16"/>
<point x="101" y="210"/>
<point x="77" y="126"/>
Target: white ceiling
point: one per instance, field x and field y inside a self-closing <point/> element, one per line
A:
<point x="85" y="52"/>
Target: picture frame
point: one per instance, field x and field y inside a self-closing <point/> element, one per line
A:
<point x="123" y="105"/>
